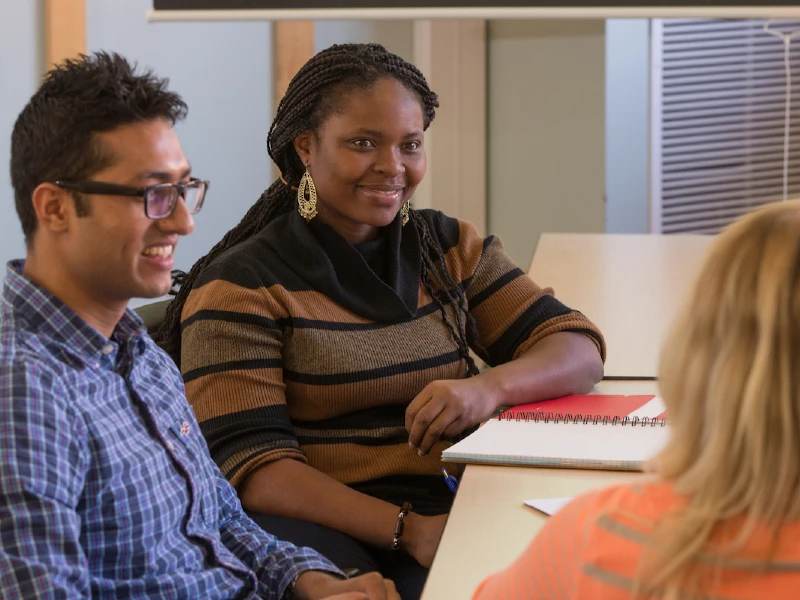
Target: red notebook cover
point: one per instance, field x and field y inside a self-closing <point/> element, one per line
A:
<point x="590" y="404"/>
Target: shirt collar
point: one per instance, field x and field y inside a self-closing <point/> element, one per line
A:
<point x="47" y="314"/>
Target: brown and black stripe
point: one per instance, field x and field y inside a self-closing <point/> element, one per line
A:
<point x="293" y="347"/>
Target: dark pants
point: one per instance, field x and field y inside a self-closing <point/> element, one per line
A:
<point x="347" y="553"/>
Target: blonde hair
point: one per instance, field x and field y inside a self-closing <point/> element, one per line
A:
<point x="730" y="378"/>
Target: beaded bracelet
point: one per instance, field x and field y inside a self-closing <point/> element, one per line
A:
<point x="398" y="528"/>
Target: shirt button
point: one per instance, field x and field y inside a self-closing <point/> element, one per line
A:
<point x="170" y="445"/>
<point x="108" y="349"/>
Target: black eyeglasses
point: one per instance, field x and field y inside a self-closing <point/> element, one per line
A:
<point x="159" y="200"/>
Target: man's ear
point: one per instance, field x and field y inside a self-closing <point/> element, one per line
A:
<point x="303" y="145"/>
<point x="53" y="206"/>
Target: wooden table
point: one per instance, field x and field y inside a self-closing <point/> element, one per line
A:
<point x="630" y="286"/>
<point x="489" y="526"/>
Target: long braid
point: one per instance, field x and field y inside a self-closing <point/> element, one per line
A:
<point x="312" y="95"/>
<point x="434" y="270"/>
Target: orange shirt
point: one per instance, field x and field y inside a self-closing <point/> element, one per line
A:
<point x="590" y="550"/>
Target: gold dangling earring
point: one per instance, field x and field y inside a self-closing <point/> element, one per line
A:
<point x="307" y="207"/>
<point x="404" y="211"/>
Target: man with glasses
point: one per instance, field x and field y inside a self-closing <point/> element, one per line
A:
<point x="107" y="489"/>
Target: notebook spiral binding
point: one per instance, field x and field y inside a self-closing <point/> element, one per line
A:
<point x="547" y="417"/>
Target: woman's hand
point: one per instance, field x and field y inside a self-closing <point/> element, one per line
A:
<point x="421" y="537"/>
<point x="447" y="407"/>
<point x="558" y="365"/>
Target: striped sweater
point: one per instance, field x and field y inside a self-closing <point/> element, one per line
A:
<point x="296" y="344"/>
<point x="591" y="550"/>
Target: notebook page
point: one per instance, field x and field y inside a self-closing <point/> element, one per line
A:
<point x="560" y="444"/>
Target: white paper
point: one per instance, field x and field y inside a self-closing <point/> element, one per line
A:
<point x="548" y="506"/>
<point x="652" y="409"/>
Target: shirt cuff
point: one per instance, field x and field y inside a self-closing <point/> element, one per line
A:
<point x="306" y="559"/>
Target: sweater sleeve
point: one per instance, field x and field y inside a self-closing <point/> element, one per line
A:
<point x="231" y="361"/>
<point x="511" y="311"/>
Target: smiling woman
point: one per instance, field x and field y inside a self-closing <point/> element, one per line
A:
<point x="369" y="158"/>
<point x="326" y="342"/>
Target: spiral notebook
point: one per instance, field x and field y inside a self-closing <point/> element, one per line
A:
<point x="590" y="440"/>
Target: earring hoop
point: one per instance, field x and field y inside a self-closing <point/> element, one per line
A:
<point x="307" y="207"/>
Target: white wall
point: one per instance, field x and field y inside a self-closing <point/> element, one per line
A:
<point x="396" y="36"/>
<point x="627" y="125"/>
<point x="546" y="130"/>
<point x="21" y="59"/>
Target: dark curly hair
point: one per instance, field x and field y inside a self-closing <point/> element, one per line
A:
<point x="314" y="94"/>
<point x="54" y="135"/>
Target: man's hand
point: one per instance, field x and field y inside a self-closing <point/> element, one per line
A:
<point x="316" y="585"/>
<point x="446" y="407"/>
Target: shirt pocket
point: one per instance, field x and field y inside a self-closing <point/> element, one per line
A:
<point x="189" y="448"/>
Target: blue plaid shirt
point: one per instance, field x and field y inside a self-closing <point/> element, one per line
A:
<point x="107" y="489"/>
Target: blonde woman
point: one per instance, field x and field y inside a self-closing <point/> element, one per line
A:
<point x="721" y="517"/>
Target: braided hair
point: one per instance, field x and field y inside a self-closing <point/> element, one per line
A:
<point x="311" y="97"/>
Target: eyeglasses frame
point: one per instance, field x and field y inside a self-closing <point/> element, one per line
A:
<point x="114" y="189"/>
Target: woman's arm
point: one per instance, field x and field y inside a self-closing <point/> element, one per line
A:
<point x="538" y="347"/>
<point x="560" y="364"/>
<point x="289" y="488"/>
